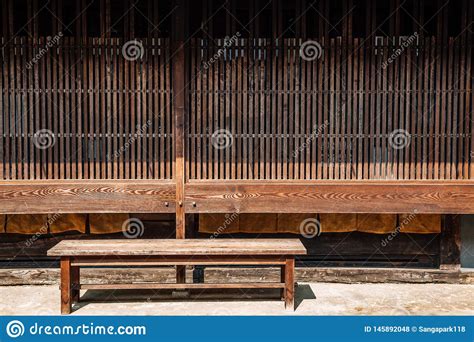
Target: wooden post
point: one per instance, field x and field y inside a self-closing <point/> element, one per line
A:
<point x="179" y="98"/>
<point x="450" y="243"/>
<point x="66" y="303"/>
<point x="290" y="283"/>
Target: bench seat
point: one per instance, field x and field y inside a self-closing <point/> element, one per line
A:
<point x="169" y="247"/>
<point x="75" y="254"/>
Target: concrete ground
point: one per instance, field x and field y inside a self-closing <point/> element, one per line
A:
<point x="311" y="299"/>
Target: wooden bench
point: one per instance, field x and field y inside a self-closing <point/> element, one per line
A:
<point x="102" y="253"/>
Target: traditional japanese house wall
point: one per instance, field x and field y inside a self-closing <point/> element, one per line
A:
<point x="249" y="107"/>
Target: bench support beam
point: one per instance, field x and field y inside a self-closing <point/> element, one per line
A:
<point x="71" y="283"/>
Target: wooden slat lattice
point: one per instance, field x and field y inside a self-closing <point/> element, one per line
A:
<point x="77" y="109"/>
<point x="260" y="111"/>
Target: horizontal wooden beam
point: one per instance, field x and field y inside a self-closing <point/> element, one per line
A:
<point x="150" y="196"/>
<point x="113" y="261"/>
<point x="105" y="196"/>
<point x="148" y="286"/>
<point x="390" y="197"/>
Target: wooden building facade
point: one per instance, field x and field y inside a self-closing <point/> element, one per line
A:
<point x="185" y="108"/>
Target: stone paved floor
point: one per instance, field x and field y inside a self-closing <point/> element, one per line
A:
<point x="312" y="299"/>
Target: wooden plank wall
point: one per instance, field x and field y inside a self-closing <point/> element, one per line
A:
<point x="72" y="107"/>
<point x="369" y="108"/>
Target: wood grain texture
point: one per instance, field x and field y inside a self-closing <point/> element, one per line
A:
<point x="390" y="197"/>
<point x="22" y="197"/>
<point x="290" y="284"/>
<point x="66" y="282"/>
<point x="450" y="243"/>
<point x="180" y="247"/>
<point x="178" y="260"/>
<point x="347" y="275"/>
<point x="182" y="286"/>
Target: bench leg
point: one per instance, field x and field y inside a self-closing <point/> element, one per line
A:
<point x="66" y="283"/>
<point x="180" y="274"/>
<point x="282" y="280"/>
<point x="290" y="283"/>
<point x="76" y="283"/>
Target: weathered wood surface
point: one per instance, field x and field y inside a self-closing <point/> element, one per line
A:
<point x="390" y="197"/>
<point x="387" y="98"/>
<point x="110" y="125"/>
<point x="331" y="118"/>
<point x="450" y="243"/>
<point x="144" y="286"/>
<point x="50" y="276"/>
<point x="144" y="247"/>
<point x="87" y="196"/>
<point x="178" y="260"/>
<point x="179" y="113"/>
<point x="448" y="197"/>
<point x="289" y="294"/>
<point x="328" y="250"/>
<point x="66" y="286"/>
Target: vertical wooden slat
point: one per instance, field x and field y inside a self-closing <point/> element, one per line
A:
<point x="239" y="107"/>
<point x="204" y="153"/>
<point x="470" y="92"/>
